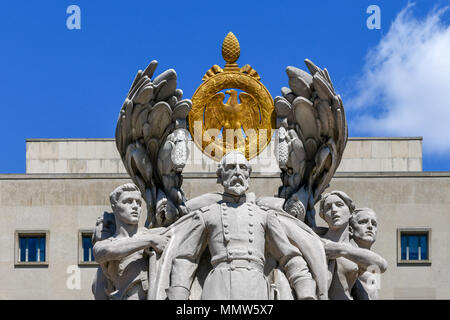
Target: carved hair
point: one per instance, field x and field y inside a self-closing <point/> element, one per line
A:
<point x="115" y="195"/>
<point x="105" y="227"/>
<point x="221" y="165"/>
<point x="347" y="200"/>
<point x="356" y="212"/>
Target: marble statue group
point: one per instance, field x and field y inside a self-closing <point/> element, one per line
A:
<point x="234" y="245"/>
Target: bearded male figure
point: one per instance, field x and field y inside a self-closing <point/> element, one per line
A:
<point x="238" y="233"/>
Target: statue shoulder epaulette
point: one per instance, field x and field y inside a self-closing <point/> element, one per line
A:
<point x="206" y="208"/>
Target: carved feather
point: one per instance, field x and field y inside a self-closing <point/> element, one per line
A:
<point x="151" y="112"/>
<point x="250" y="118"/>
<point x="312" y="111"/>
<point x="214" y="117"/>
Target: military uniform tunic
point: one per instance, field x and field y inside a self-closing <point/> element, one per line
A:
<point x="238" y="233"/>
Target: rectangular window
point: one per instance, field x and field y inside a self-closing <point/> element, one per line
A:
<point x="85" y="252"/>
<point x="88" y="256"/>
<point x="31" y="247"/>
<point x="414" y="245"/>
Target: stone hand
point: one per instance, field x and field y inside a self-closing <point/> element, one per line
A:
<point x="166" y="212"/>
<point x="333" y="249"/>
<point x="158" y="242"/>
<point x="177" y="293"/>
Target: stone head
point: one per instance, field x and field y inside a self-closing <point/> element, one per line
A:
<point x="363" y="227"/>
<point x="126" y="203"/>
<point x="336" y="209"/>
<point x="233" y="173"/>
<point x="105" y="227"/>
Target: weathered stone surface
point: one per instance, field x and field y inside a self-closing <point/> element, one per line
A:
<point x="238" y="266"/>
<point x="400" y="149"/>
<point x="356" y="157"/>
<point x="382" y="149"/>
<point x="415" y="164"/>
<point x="414" y="149"/>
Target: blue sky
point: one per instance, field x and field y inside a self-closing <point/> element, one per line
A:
<point x="60" y="83"/>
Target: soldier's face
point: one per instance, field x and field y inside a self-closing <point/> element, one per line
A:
<point x="128" y="207"/>
<point x="336" y="213"/>
<point x="235" y="174"/>
<point x="364" y="226"/>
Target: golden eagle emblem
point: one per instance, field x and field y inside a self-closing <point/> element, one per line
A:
<point x="232" y="114"/>
<point x="245" y="121"/>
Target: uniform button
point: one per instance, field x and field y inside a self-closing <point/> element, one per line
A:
<point x="251" y="224"/>
<point x="225" y="225"/>
<point x="250" y="231"/>
<point x="250" y="240"/>
<point x="227" y="232"/>
<point x="250" y="252"/>
<point x="232" y="268"/>
<point x="249" y="268"/>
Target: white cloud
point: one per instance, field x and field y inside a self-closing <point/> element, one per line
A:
<point x="408" y="74"/>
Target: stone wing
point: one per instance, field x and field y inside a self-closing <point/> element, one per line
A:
<point x="214" y="115"/>
<point x="250" y="115"/>
<point x="312" y="133"/>
<point x="151" y="138"/>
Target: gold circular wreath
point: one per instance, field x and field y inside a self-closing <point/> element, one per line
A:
<point x="236" y="79"/>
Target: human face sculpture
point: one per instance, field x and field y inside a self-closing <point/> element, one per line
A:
<point x="235" y="173"/>
<point x="364" y="227"/>
<point x="128" y="207"/>
<point x="335" y="212"/>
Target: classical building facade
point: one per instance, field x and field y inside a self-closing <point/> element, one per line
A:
<point x="48" y="213"/>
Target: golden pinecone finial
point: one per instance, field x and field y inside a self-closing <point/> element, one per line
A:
<point x="230" y="49"/>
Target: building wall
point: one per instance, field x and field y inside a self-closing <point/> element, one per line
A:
<point x="382" y="154"/>
<point x="101" y="156"/>
<point x="64" y="204"/>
